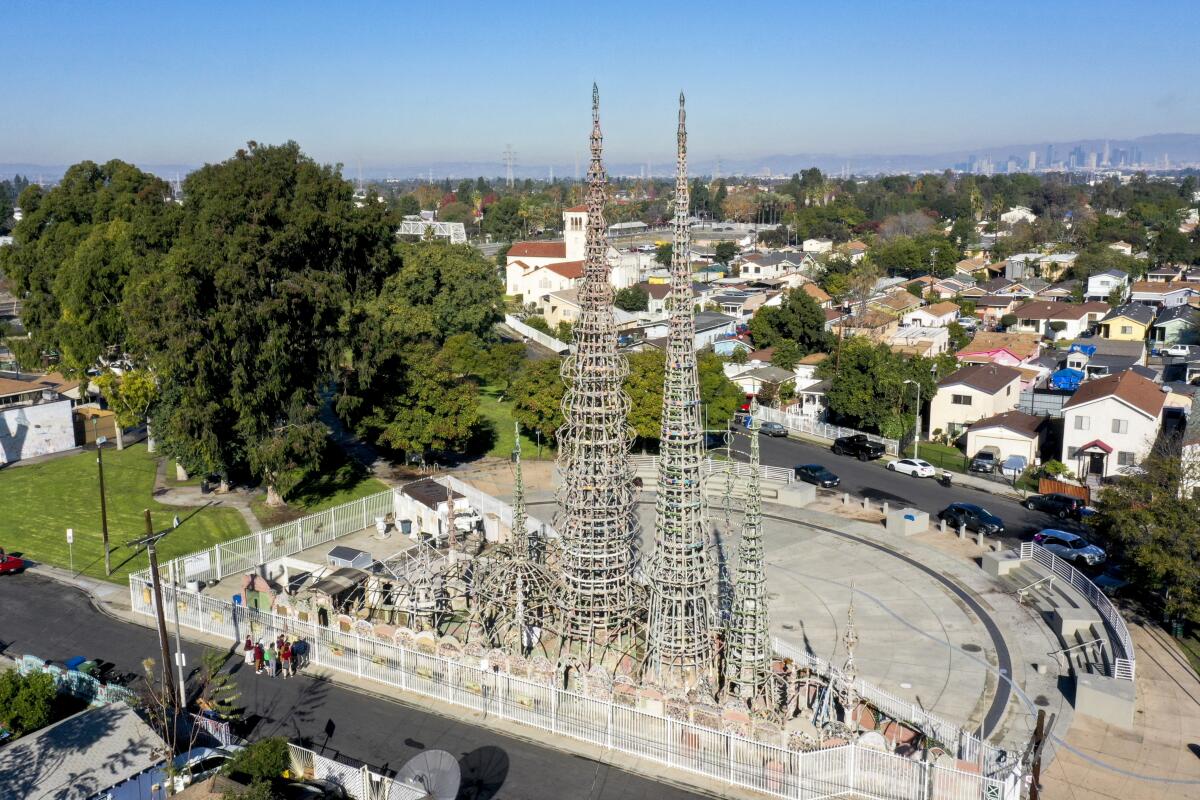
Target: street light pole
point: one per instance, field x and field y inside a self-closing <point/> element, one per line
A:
<point x="100" y="440"/>
<point x="916" y="421"/>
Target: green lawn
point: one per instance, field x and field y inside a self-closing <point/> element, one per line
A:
<point x="500" y="415"/>
<point x="941" y="456"/>
<point x="41" y="501"/>
<point x="1190" y="644"/>
<point x="338" y="481"/>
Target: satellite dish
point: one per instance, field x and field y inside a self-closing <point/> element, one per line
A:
<point x="435" y="771"/>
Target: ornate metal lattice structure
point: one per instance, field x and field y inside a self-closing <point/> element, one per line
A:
<point x="514" y="603"/>
<point x="596" y="488"/>
<point x="748" y="641"/>
<point x="679" y="640"/>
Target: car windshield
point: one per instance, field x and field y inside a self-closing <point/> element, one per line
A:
<point x="921" y="463"/>
<point x="1078" y="544"/>
<point x="983" y="512"/>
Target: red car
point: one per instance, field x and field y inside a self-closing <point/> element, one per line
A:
<point x="10" y="564"/>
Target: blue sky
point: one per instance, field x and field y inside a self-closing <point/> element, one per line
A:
<point x="404" y="82"/>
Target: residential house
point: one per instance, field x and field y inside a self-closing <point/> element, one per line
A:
<point x="753" y="381"/>
<point x="103" y="752"/>
<point x="1124" y="248"/>
<point x="938" y="315"/>
<point x="817" y="246"/>
<point x="982" y="248"/>
<point x="533" y="283"/>
<point x="897" y="303"/>
<point x="1008" y="349"/>
<point x="1097" y="358"/>
<point x="1165" y="294"/>
<point x="947" y="288"/>
<point x="741" y="304"/>
<point x="1053" y="266"/>
<point x="1021" y="265"/>
<point x="818" y="294"/>
<point x="1062" y="292"/>
<point x="1128" y="323"/>
<point x="524" y="259"/>
<point x="1017" y="214"/>
<point x="917" y="340"/>
<point x="1102" y="285"/>
<point x="1174" y="325"/>
<point x="855" y="251"/>
<point x="997" y="285"/>
<point x="727" y="347"/>
<point x="1027" y="287"/>
<point x="1011" y="434"/>
<point x="35" y="416"/>
<point x="774" y="264"/>
<point x="1110" y="424"/>
<point x="968" y="267"/>
<point x="974" y="392"/>
<point x="834" y="317"/>
<point x="991" y="308"/>
<point x="1039" y="317"/>
<point x="1167" y="273"/>
<point x="874" y="325"/>
<point x="711" y="327"/>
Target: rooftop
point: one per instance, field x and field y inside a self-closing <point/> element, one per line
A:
<point x="538" y="250"/>
<point x="1130" y="387"/>
<point x="989" y="378"/>
<point x="1138" y="312"/>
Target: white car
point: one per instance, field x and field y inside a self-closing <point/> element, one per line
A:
<point x="915" y="467"/>
<point x="1182" y="350"/>
<point x="199" y="763"/>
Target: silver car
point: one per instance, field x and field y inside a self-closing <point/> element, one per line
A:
<point x="1070" y="547"/>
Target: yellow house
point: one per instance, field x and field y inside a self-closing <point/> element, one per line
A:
<point x="1128" y="323"/>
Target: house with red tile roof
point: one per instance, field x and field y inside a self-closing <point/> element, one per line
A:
<point x="1110" y="425"/>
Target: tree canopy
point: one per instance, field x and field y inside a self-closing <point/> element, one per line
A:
<point x="868" y="390"/>
<point x="797" y="319"/>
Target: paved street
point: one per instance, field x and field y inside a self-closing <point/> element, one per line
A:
<point x="870" y="479"/>
<point x="53" y="621"/>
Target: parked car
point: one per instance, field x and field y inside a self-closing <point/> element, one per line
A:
<point x="975" y="518"/>
<point x="772" y="429"/>
<point x="1062" y="506"/>
<point x="1070" y="547"/>
<point x="10" y="565"/>
<point x="916" y="467"/>
<point x="1178" y="350"/>
<point x="199" y="763"/>
<point x="984" y="461"/>
<point x="858" y="446"/>
<point x="817" y="474"/>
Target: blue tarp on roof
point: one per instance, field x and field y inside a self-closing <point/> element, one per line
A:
<point x="1068" y="379"/>
<point x="1088" y="350"/>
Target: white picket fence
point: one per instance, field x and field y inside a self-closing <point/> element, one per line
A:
<point x="1123" y="666"/>
<point x="544" y="339"/>
<point x="800" y="423"/>
<point x="361" y="783"/>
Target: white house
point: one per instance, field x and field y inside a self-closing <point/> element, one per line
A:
<point x="1164" y="293"/>
<point x="973" y="393"/>
<point x="938" y="315"/>
<point x="919" y="340"/>
<point x="533" y="283"/>
<point x="1013" y="433"/>
<point x="35" y="417"/>
<point x="1110" y="424"/>
<point x="1102" y="284"/>
<point x="817" y="246"/>
<point x="1017" y="214"/>
<point x="525" y="258"/>
<point x="1076" y="318"/>
<point x="1124" y="248"/>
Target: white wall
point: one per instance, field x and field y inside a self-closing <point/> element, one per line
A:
<point x="1098" y="417"/>
<point x="36" y="430"/>
<point x="944" y="413"/>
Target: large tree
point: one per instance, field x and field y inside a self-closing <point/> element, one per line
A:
<point x="74" y="254"/>
<point x="243" y="322"/>
<point x="798" y="319"/>
<point x="868" y="389"/>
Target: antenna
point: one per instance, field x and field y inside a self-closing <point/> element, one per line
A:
<point x="509" y="155"/>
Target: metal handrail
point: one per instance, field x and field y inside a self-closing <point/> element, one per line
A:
<point x="1065" y="650"/>
<point x="1024" y="589"/>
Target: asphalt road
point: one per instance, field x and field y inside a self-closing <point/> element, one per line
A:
<point x="870" y="479"/>
<point x="47" y="619"/>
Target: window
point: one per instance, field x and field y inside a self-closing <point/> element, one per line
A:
<point x="1120" y="426"/>
<point x="1071" y="451"/>
<point x="1124" y="459"/>
<point x="960" y="399"/>
<point x="1008" y="391"/>
<point x="1083" y="423"/>
<point x="1126" y="329"/>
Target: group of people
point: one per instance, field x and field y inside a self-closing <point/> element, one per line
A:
<point x="278" y="657"/>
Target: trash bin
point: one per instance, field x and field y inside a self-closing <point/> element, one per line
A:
<point x="237" y="599"/>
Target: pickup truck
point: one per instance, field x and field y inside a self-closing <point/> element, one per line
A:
<point x="858" y="446"/>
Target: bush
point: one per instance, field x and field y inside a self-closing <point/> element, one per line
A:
<point x="26" y="701"/>
<point x="264" y="760"/>
<point x="1008" y="320"/>
<point x="1058" y="325"/>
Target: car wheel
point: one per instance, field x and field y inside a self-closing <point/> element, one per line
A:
<point x="1062" y="515"/>
<point x="1028" y="504"/>
<point x="892" y="467"/>
<point x="862" y="456"/>
<point x="837" y="451"/>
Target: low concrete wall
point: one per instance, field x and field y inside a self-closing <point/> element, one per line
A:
<point x="999" y="564"/>
<point x="907" y="522"/>
<point x="1069" y="621"/>
<point x="1111" y="700"/>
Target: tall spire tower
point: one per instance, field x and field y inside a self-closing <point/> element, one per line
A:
<point x="679" y="643"/>
<point x="748" y="646"/>
<point x="599" y="530"/>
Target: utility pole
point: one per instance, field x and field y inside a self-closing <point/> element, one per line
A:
<point x="100" y="440"/>
<point x="1039" y="739"/>
<point x="168" y="679"/>
<point x="916" y="421"/>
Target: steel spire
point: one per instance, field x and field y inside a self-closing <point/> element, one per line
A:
<point x="680" y="570"/>
<point x="748" y="645"/>
<point x="599" y="530"/>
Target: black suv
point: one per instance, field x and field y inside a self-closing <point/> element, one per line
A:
<point x="858" y="446"/>
<point x="1062" y="506"/>
<point x="975" y="518"/>
<point x="983" y="461"/>
<point x="817" y="475"/>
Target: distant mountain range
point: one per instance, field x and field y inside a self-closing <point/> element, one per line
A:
<point x="1181" y="149"/>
